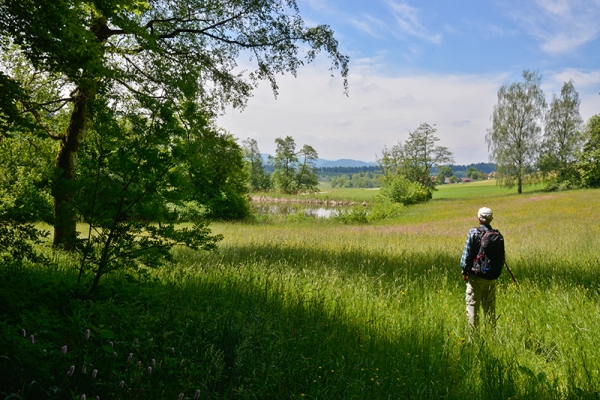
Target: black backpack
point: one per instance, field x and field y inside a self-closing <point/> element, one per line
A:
<point x="490" y="257"/>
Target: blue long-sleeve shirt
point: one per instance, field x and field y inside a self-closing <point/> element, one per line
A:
<point x="471" y="248"/>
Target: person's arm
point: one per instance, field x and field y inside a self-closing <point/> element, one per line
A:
<point x="466" y="259"/>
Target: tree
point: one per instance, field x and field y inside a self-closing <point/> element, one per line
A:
<point x="134" y="172"/>
<point x="306" y="175"/>
<point x="562" y="134"/>
<point x="259" y="179"/>
<point x="176" y="50"/>
<point x="589" y="160"/>
<point x="515" y="133"/>
<point x="284" y="163"/>
<point x="416" y="157"/>
<point x="444" y="172"/>
<point x="474" y="174"/>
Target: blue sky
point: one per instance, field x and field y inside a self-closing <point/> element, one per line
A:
<point x="440" y="62"/>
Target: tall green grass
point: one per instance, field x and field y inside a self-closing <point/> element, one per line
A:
<point x="329" y="311"/>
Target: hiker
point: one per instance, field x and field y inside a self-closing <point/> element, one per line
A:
<point x="481" y="263"/>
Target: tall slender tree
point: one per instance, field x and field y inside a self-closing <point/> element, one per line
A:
<point x="513" y="140"/>
<point x="563" y="137"/>
<point x="306" y="175"/>
<point x="285" y="164"/>
<point x="259" y="179"/>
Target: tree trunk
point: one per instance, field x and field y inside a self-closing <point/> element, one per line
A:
<point x="65" y="215"/>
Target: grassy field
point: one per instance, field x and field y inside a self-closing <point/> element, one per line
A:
<point x="303" y="309"/>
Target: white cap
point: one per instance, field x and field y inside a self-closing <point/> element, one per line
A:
<point x="485" y="214"/>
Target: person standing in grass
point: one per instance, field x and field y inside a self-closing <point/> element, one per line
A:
<point x="481" y="264"/>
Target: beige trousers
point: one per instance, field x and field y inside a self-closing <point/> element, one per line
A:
<point x="481" y="292"/>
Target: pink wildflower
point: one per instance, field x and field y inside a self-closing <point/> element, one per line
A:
<point x="83" y="397"/>
<point x="149" y="370"/>
<point x="181" y="396"/>
<point x="24" y="332"/>
<point x="121" y="384"/>
<point x="71" y="370"/>
<point x="197" y="395"/>
<point x="32" y="339"/>
<point x="87" y="334"/>
<point x="63" y="350"/>
<point x="94" y="373"/>
<point x="130" y="357"/>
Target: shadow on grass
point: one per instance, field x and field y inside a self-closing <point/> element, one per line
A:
<point x="537" y="270"/>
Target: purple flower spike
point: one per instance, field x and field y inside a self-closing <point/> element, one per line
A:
<point x="139" y="364"/>
<point x="71" y="370"/>
<point x="115" y="354"/>
<point x="181" y="396"/>
<point x="83" y="369"/>
<point x="149" y="370"/>
<point x="83" y="397"/>
<point x="94" y="373"/>
<point x="153" y="363"/>
<point x="97" y="397"/>
<point x="32" y="339"/>
<point x="197" y="395"/>
<point x="111" y="344"/>
<point x="63" y="350"/>
<point x="24" y="332"/>
<point x="130" y="357"/>
<point x="121" y="384"/>
<point x="87" y="334"/>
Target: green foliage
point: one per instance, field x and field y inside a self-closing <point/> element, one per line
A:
<point x="414" y="160"/>
<point x="25" y="174"/>
<point x="384" y="208"/>
<point x="514" y="138"/>
<point x="259" y="179"/>
<point x="131" y="168"/>
<point x="284" y="163"/>
<point x="474" y="174"/>
<point x="444" y="172"/>
<point x="402" y="190"/>
<point x="306" y="173"/>
<point x="589" y="160"/>
<point x="359" y="180"/>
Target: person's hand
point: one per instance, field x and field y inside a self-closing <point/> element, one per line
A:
<point x="465" y="277"/>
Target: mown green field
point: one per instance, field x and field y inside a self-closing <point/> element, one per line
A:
<point x="291" y="308"/>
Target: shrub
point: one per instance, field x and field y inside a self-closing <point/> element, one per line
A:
<point x="402" y="190"/>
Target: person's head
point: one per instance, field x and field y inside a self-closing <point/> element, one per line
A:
<point x="485" y="215"/>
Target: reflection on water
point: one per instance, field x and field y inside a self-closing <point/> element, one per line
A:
<point x="287" y="209"/>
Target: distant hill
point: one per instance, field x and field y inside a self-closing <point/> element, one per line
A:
<point x="344" y="162"/>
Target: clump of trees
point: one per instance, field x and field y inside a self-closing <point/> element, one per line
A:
<point x="531" y="140"/>
<point x="126" y="91"/>
<point x="407" y="166"/>
<point x="293" y="171"/>
<point x="359" y="180"/>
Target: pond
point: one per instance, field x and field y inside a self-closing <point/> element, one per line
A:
<point x="310" y="210"/>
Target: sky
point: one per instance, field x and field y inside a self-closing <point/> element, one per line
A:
<point x="427" y="61"/>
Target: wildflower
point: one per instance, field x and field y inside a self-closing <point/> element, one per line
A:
<point x="121" y="384"/>
<point x="149" y="370"/>
<point x="83" y="369"/>
<point x="111" y="344"/>
<point x="97" y="397"/>
<point x="23" y="332"/>
<point x="87" y="334"/>
<point x="139" y="364"/>
<point x="130" y="357"/>
<point x="153" y="362"/>
<point x="94" y="373"/>
<point x="115" y="354"/>
<point x="32" y="339"/>
<point x="71" y="370"/>
<point x="82" y="397"/>
<point x="181" y="396"/>
<point x="63" y="350"/>
<point x="197" y="395"/>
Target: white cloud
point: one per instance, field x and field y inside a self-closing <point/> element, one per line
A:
<point x="379" y="111"/>
<point x="407" y="20"/>
<point x="581" y="79"/>
<point x="561" y="26"/>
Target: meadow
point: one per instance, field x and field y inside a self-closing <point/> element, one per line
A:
<point x="295" y="308"/>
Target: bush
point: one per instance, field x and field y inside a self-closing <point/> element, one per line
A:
<point x="384" y="208"/>
<point x="402" y="190"/>
<point x="357" y="214"/>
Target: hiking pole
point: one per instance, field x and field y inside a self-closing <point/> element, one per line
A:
<point x="510" y="272"/>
